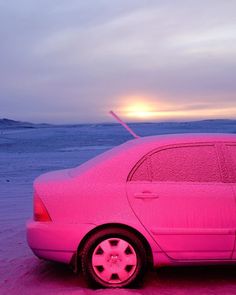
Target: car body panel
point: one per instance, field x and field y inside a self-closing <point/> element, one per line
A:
<point x="54" y="240"/>
<point x="202" y="226"/>
<point x="189" y="220"/>
<point x="229" y="150"/>
<point x="94" y="194"/>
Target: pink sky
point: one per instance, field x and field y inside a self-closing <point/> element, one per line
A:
<point x="73" y="61"/>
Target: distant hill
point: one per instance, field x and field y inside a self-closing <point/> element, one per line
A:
<point x="13" y="124"/>
<point x="145" y="128"/>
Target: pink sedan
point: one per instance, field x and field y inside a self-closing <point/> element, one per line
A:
<point x="153" y="201"/>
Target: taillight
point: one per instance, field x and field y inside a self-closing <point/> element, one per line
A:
<point x="40" y="211"/>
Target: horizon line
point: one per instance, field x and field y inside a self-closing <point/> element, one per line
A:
<point x="116" y="123"/>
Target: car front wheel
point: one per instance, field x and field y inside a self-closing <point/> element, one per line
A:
<point x="114" y="258"/>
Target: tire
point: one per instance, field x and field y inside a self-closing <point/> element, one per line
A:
<point x="113" y="258"/>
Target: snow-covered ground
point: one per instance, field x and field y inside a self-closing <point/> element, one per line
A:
<point x="28" y="152"/>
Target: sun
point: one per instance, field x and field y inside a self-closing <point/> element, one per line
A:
<point x="139" y="110"/>
<point x="136" y="107"/>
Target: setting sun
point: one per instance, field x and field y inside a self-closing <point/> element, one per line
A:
<point x="138" y="107"/>
<point x="144" y="108"/>
<point x="139" y="110"/>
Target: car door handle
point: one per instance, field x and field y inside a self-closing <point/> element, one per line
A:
<point x="146" y="195"/>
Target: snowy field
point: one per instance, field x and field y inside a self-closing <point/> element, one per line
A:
<point x="28" y="151"/>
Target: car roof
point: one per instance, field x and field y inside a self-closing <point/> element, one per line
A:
<point x="156" y="141"/>
<point x="136" y="148"/>
<point x="184" y="138"/>
<point x="149" y="143"/>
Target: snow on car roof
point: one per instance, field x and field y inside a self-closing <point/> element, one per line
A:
<point x="136" y="148"/>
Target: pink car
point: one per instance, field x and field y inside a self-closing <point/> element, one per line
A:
<point x="153" y="201"/>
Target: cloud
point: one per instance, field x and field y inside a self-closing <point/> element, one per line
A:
<point x="87" y="54"/>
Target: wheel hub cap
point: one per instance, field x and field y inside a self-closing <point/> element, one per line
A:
<point x="114" y="260"/>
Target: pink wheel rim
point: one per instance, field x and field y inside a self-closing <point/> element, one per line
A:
<point x="114" y="260"/>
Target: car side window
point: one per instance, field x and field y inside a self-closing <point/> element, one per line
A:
<point x="232" y="153"/>
<point x="194" y="163"/>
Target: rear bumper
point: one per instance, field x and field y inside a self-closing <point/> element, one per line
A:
<point x="55" y="241"/>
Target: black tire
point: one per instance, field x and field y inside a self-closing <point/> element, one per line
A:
<point x="107" y="235"/>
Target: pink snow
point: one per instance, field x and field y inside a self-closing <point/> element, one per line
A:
<point x="22" y="273"/>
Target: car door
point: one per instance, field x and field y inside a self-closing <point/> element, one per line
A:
<point x="230" y="156"/>
<point x="179" y="195"/>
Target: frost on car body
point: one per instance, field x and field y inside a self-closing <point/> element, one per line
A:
<point x="173" y="194"/>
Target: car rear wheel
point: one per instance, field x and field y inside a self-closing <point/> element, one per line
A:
<point x="114" y="258"/>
